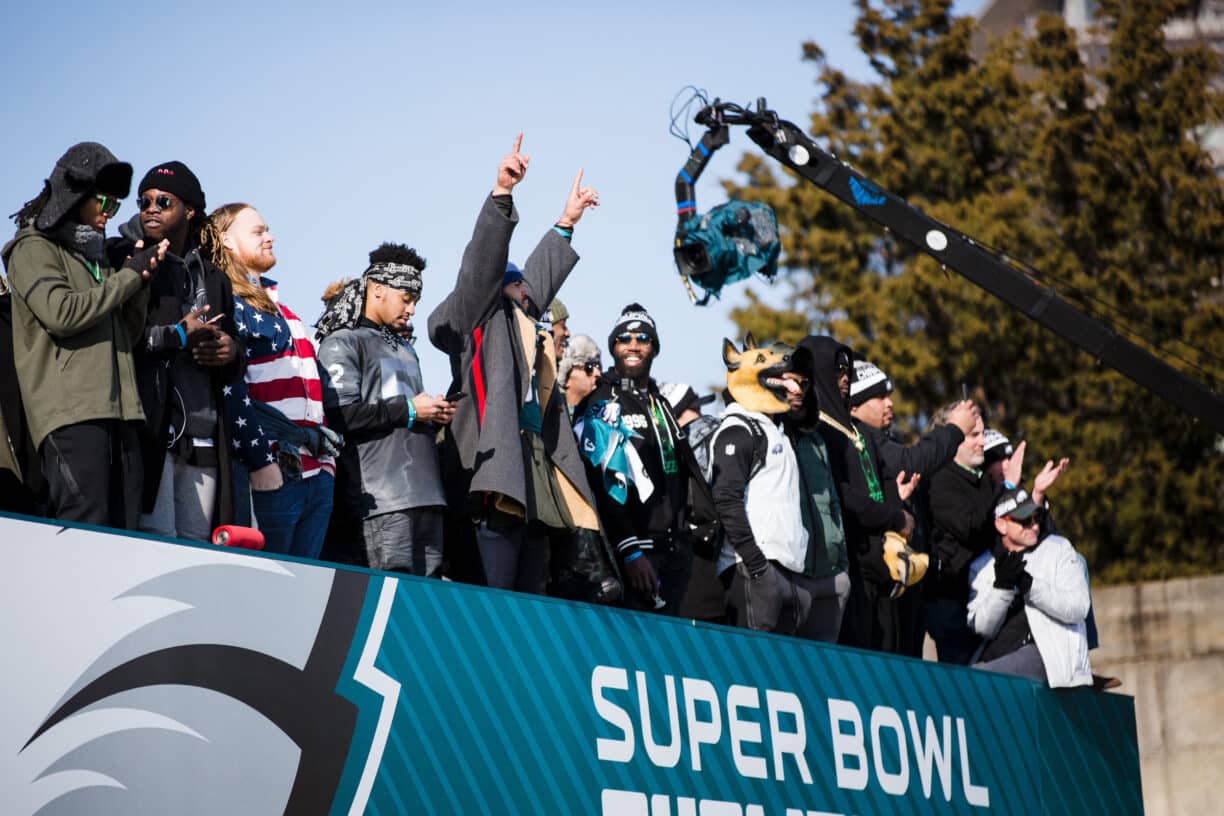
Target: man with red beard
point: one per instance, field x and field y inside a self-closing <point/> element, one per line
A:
<point x="290" y="452"/>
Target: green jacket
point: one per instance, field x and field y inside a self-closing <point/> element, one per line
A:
<point x="72" y="335"/>
<point x="822" y="514"/>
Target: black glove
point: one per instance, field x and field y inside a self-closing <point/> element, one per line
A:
<point x="1008" y="571"/>
<point x="141" y="260"/>
<point x="755" y="563"/>
<point x="1025" y="583"/>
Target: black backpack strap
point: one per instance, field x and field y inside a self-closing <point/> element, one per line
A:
<point x="760" y="445"/>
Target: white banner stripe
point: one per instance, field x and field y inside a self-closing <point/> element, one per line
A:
<point x="377" y="681"/>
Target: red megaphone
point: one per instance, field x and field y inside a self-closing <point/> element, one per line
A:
<point x="231" y="535"/>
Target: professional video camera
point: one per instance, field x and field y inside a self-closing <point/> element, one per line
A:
<point x="732" y="241"/>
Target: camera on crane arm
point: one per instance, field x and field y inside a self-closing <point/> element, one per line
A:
<point x="732" y="241"/>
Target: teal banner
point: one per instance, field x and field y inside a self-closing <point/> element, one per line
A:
<point x="152" y="676"/>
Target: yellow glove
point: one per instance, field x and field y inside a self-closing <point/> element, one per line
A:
<point x="906" y="566"/>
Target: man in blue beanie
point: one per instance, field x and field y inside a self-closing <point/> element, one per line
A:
<point x="514" y="463"/>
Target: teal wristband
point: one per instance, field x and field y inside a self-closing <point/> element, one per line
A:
<point x="635" y="556"/>
<point x="411" y="413"/>
<point x="178" y="327"/>
<point x="564" y="232"/>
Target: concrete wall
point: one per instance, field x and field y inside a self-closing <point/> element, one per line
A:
<point x="1165" y="640"/>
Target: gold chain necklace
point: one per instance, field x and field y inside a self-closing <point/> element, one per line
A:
<point x="852" y="433"/>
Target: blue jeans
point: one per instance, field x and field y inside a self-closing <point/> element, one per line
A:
<point x="294" y="517"/>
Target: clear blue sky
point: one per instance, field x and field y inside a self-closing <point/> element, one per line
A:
<point x="348" y="124"/>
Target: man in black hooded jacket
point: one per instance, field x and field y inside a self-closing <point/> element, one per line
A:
<point x="871" y="505"/>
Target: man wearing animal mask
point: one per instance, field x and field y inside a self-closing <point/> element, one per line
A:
<point x="754" y="477"/>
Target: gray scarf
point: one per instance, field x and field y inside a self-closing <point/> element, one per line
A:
<point x="81" y="238"/>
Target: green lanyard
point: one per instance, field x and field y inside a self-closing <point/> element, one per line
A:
<point x="94" y="270"/>
<point x="666" y="449"/>
<point x="869" y="471"/>
<point x="873" y="483"/>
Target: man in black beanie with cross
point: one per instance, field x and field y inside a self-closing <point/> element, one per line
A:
<point x="189" y="352"/>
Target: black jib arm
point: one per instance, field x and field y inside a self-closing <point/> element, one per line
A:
<point x="792" y="147"/>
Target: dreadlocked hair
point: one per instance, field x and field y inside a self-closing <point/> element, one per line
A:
<point x="30" y="210"/>
<point x="388" y="252"/>
<point x="219" y="221"/>
<point x="195" y="226"/>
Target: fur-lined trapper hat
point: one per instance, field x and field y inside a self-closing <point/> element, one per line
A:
<point x="85" y="168"/>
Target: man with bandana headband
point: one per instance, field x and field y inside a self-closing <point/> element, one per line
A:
<point x="374" y="395"/>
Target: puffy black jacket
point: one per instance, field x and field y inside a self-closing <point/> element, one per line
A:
<point x="962" y="516"/>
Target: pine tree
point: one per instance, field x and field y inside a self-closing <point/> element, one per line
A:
<point x="1098" y="179"/>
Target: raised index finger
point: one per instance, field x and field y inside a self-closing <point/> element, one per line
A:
<point x="518" y="142"/>
<point x="577" y="182"/>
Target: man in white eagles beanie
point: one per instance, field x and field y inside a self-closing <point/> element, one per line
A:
<point x="871" y="406"/>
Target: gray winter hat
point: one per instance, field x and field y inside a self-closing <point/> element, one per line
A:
<point x="582" y="349"/>
<point x="86" y="167"/>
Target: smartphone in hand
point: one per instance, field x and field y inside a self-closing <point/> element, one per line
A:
<point x="455" y="396"/>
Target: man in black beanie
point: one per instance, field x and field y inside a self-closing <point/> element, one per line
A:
<point x="188" y="354"/>
<point x="647" y="526"/>
<point x="871" y="406"/>
<point x="76" y="319"/>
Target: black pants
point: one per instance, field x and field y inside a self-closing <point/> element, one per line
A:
<point x="871" y="619"/>
<point x="672" y="559"/>
<point x="93" y="471"/>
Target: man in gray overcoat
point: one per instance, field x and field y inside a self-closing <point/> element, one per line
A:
<point x="522" y="477"/>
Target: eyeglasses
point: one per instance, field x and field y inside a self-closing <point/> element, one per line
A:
<point x="641" y="337"/>
<point x="591" y="368"/>
<point x="162" y="202"/>
<point x="110" y="204"/>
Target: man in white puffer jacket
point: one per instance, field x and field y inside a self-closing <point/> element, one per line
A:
<point x="1028" y="599"/>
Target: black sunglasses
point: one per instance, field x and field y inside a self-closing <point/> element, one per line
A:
<point x="110" y="204"/>
<point x="591" y="368"/>
<point x="162" y="202"/>
<point x="1036" y="518"/>
<point x="641" y="337"/>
